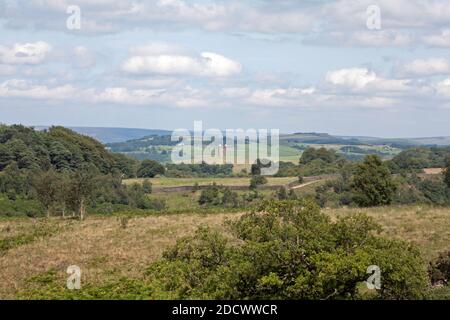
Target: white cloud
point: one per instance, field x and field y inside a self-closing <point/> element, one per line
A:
<point x="17" y="88"/>
<point x="425" y="67"/>
<point x="364" y="80"/>
<point x="355" y="78"/>
<point x="159" y="60"/>
<point x="106" y="16"/>
<point x="25" y="53"/>
<point x="219" y="66"/>
<point x="122" y="95"/>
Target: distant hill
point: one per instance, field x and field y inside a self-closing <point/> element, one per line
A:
<point x="112" y="135"/>
<point x="325" y="138"/>
<point x="402" y="142"/>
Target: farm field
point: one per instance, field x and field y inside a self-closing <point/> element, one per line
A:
<point x="233" y="181"/>
<point x="35" y="253"/>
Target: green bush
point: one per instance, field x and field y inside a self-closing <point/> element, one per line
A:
<point x="372" y="183"/>
<point x="288" y="250"/>
<point x="218" y="195"/>
<point x="149" y="169"/>
<point x="257" y="181"/>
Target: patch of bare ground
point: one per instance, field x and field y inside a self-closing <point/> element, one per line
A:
<point x="433" y="170"/>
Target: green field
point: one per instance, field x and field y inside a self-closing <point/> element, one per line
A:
<point x="234" y="181"/>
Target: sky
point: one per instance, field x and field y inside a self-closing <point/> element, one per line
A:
<point x="346" y="67"/>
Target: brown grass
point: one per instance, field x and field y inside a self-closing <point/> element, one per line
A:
<point x="426" y="226"/>
<point x="99" y="246"/>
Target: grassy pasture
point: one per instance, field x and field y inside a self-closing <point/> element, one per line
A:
<point x="107" y="250"/>
<point x="233" y="181"/>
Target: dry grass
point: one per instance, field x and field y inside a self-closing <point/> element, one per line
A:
<point x="105" y="250"/>
<point x="426" y="226"/>
<point x="433" y="170"/>
<point x="101" y="247"/>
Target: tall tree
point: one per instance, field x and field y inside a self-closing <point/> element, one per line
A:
<point x="48" y="188"/>
<point x="372" y="183"/>
<point x="82" y="186"/>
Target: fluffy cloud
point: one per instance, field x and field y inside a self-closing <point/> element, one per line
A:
<point x="364" y="80"/>
<point x="354" y="78"/>
<point x="157" y="59"/>
<point x="25" y="53"/>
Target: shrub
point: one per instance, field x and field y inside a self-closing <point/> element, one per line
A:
<point x="149" y="169"/>
<point x="257" y="181"/>
<point x="210" y="195"/>
<point x="215" y="195"/>
<point x="439" y="270"/>
<point x="282" y="194"/>
<point x="147" y="186"/>
<point x="372" y="183"/>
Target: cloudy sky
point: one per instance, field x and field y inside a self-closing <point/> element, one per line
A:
<point x="326" y="66"/>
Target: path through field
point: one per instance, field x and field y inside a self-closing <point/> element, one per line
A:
<point x="305" y="184"/>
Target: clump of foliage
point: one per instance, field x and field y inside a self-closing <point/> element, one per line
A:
<point x="288" y="250"/>
<point x="219" y="196"/>
<point x="415" y="189"/>
<point x="415" y="159"/>
<point x="150" y="169"/>
<point x="283" y="194"/>
<point x="372" y="183"/>
<point x="313" y="162"/>
<point x="198" y="170"/>
<point x="447" y="172"/>
<point x="257" y="181"/>
<point x="339" y="191"/>
<point x="439" y="270"/>
<point x="58" y="148"/>
<point x="311" y="154"/>
<point x="50" y="285"/>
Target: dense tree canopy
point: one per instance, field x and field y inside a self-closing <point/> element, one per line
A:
<point x="150" y="169"/>
<point x="323" y="154"/>
<point x="372" y="183"/>
<point x="420" y="158"/>
<point x="60" y="171"/>
<point x="58" y="148"/>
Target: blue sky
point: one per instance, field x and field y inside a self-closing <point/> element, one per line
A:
<point x="292" y="65"/>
